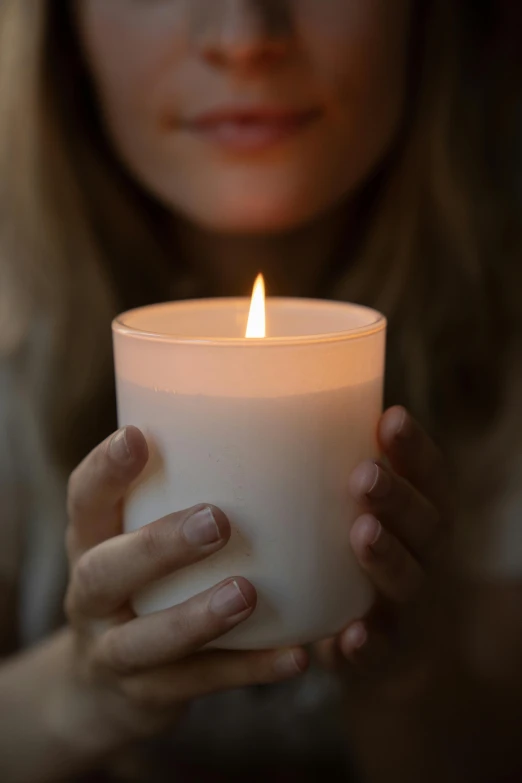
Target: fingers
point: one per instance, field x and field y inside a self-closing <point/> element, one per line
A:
<point x="363" y="645"/>
<point x="327" y="653"/>
<point x="413" y="455"/>
<point x="97" y="488"/>
<point x="106" y="576"/>
<point x="399" y="507"/>
<point x="392" y="569"/>
<point x="402" y="531"/>
<point x="211" y="672"/>
<point x="381" y="654"/>
<point x="164" y="637"/>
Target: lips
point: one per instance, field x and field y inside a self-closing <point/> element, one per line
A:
<point x="251" y="129"/>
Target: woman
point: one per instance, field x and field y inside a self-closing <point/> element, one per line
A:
<point x="357" y="149"/>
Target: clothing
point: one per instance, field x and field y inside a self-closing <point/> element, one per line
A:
<point x="289" y="732"/>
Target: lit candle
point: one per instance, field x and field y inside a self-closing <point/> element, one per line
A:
<point x="268" y="429"/>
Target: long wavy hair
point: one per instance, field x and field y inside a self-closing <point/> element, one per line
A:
<point x="440" y="254"/>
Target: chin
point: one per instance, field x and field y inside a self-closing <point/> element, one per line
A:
<point x="250" y="222"/>
<point x="257" y="216"/>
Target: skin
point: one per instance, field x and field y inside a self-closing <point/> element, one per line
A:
<point x="153" y="664"/>
<point x="155" y="63"/>
<point x="110" y="677"/>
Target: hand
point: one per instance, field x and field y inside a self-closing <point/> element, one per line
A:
<point x="399" y="541"/>
<point x="143" y="669"/>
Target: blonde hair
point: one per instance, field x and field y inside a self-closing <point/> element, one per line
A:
<point x="438" y="257"/>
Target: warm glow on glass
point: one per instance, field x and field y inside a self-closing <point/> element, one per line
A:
<point x="256" y="320"/>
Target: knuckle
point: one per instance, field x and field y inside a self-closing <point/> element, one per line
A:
<point x="98" y="656"/>
<point x="86" y="578"/>
<point x="113" y="652"/>
<point x="136" y="692"/>
<point x="141" y="693"/>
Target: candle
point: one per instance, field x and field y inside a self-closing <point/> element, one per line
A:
<point x="266" y="428"/>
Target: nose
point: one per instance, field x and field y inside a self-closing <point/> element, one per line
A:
<point x="245" y="34"/>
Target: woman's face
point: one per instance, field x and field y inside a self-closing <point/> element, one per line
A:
<point x="248" y="115"/>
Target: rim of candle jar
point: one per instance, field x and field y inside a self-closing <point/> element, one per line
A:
<point x="378" y="324"/>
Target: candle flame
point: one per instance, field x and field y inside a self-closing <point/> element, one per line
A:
<point x="257" y="319"/>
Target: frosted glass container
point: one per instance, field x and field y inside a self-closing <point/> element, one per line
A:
<point x="269" y="431"/>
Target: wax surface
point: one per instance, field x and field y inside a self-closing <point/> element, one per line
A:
<point x="278" y="467"/>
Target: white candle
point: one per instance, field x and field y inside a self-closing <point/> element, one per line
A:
<point x="266" y="429"/>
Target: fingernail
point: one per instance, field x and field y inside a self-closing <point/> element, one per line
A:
<point x="118" y="447"/>
<point x="201" y="528"/>
<point x="228" y="601"/>
<point x="378" y="541"/>
<point x="355" y="637"/>
<point x="372" y="530"/>
<point x="403" y="431"/>
<point x="381" y="483"/>
<point x="290" y="663"/>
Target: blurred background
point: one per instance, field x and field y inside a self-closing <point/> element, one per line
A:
<point x="356" y="150"/>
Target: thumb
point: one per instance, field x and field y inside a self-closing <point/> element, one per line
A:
<point x="97" y="489"/>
